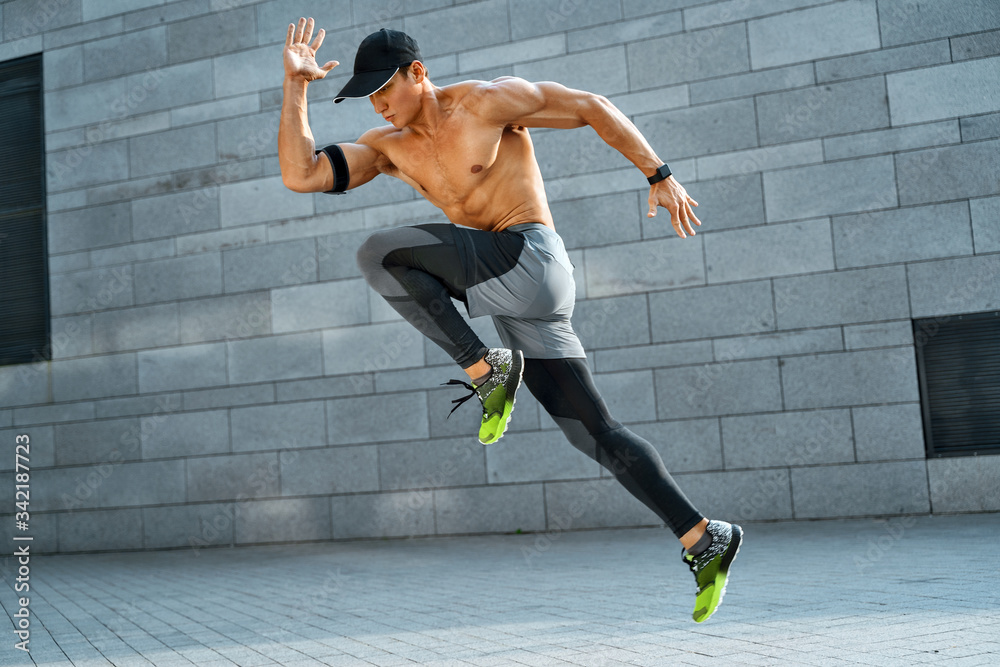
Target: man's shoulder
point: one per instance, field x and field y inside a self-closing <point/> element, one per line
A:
<point x="481" y="97"/>
<point x="384" y="141"/>
<point x="377" y="135"/>
<point x="475" y="87"/>
<point x="460" y="93"/>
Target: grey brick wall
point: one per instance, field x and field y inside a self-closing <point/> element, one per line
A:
<point x="221" y="374"/>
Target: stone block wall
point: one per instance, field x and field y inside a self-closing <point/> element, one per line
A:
<point x="221" y="374"/>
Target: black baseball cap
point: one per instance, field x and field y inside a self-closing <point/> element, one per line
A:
<point x="380" y="56"/>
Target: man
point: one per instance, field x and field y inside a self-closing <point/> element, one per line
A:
<point x="466" y="149"/>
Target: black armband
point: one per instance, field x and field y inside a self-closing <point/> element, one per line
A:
<point x="341" y="173"/>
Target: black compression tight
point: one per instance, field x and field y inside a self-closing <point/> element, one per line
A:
<point x="420" y="269"/>
<point x="566" y="390"/>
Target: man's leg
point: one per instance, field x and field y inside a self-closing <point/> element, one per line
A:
<point x="418" y="270"/>
<point x="566" y="390"/>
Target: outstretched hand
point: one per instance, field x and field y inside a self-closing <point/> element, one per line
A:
<point x="300" y="55"/>
<point x="672" y="196"/>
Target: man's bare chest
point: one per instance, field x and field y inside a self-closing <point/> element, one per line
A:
<point x="451" y="163"/>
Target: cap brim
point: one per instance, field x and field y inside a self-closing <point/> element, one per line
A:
<point x="364" y="84"/>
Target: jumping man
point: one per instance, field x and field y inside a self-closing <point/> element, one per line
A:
<point x="467" y="150"/>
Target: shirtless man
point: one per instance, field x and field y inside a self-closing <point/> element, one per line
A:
<point x="467" y="150"/>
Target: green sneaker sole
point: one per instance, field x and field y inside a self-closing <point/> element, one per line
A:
<point x="702" y="614"/>
<point x="508" y="409"/>
<point x="505" y="420"/>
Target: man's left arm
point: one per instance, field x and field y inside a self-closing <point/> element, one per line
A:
<point x="549" y="104"/>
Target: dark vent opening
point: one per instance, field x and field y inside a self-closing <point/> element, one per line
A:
<point x="958" y="366"/>
<point x="24" y="289"/>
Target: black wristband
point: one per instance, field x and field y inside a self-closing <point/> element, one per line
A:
<point x="660" y="175"/>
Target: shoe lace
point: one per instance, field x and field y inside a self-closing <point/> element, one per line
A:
<point x="694" y="563"/>
<point x="459" y="401"/>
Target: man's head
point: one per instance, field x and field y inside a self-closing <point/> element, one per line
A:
<point x="380" y="56"/>
<point x="399" y="101"/>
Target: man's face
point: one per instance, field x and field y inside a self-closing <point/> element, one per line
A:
<point x="395" y="101"/>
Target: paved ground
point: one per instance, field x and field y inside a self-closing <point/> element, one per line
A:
<point x="899" y="592"/>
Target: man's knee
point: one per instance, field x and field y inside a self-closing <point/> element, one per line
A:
<point x="371" y="253"/>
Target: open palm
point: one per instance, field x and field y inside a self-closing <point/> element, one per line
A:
<point x="300" y="55"/>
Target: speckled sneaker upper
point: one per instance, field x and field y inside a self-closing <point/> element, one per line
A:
<point x="711" y="567"/>
<point x="497" y="393"/>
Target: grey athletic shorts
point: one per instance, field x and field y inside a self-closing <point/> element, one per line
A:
<point x="521" y="277"/>
<point x="531" y="304"/>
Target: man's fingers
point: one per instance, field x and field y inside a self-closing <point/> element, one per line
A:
<point x="318" y="41"/>
<point x="299" y="29"/>
<point x="678" y="227"/>
<point x="679" y="218"/>
<point x="694" y="217"/>
<point x="691" y="219"/>
<point x="681" y="215"/>
<point x="678" y="203"/>
<point x="307" y="35"/>
<point x="329" y="66"/>
<point x="290" y="36"/>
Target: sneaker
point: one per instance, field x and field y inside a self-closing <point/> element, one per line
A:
<point x="711" y="567"/>
<point x="497" y="393"/>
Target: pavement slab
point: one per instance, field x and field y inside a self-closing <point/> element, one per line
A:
<point x="909" y="590"/>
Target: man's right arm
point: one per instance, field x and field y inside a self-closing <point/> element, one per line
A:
<point x="302" y="169"/>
